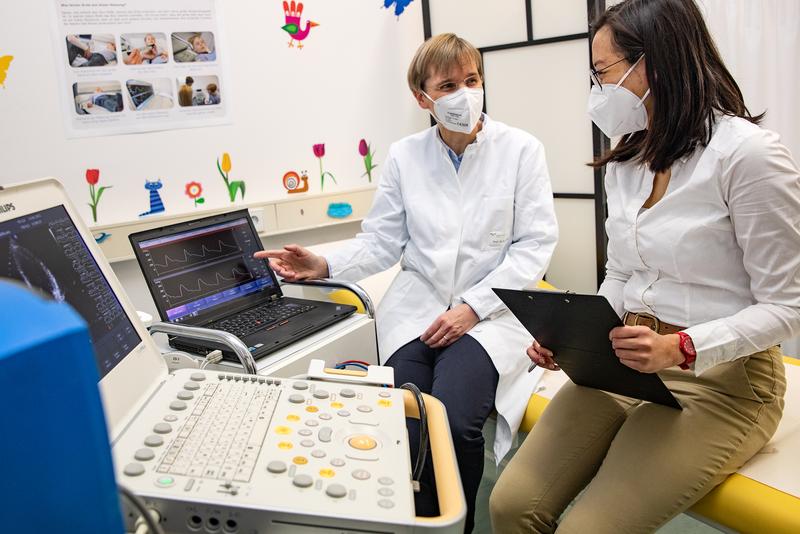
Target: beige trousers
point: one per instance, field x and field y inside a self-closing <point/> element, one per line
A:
<point x="639" y="464"/>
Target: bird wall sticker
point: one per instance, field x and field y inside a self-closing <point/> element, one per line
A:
<point x="293" y="11"/>
<point x="399" y="5"/>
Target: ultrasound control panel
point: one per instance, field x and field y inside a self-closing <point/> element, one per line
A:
<point x="221" y="452"/>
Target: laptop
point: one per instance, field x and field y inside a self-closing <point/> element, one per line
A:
<point x="212" y="451"/>
<point x="203" y="273"/>
<point x="575" y="327"/>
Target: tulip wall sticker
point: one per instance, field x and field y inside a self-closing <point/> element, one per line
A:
<point x="156" y="205"/>
<point x="366" y="152"/>
<point x="291" y="181"/>
<point x="224" y="169"/>
<point x="195" y="191"/>
<point x="92" y="177"/>
<point x="293" y="11"/>
<point x="399" y="5"/>
<point x="319" y="152"/>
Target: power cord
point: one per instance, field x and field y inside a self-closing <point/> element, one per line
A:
<point x="215" y="356"/>
<point x="148" y="517"/>
<point x="422" y="453"/>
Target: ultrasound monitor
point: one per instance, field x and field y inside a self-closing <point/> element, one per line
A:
<point x="44" y="251"/>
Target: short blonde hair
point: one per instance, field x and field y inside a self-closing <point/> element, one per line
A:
<point x="438" y="54"/>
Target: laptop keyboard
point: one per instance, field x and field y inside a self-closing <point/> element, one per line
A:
<point x="260" y="317"/>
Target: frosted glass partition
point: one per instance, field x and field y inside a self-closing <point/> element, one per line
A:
<point x="574" y="261"/>
<point x="480" y="22"/>
<point x="553" y="18"/>
<point x="543" y="90"/>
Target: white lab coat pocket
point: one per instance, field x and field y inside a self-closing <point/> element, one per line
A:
<point x="497" y="218"/>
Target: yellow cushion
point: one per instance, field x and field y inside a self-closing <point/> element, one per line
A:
<point x="740" y="503"/>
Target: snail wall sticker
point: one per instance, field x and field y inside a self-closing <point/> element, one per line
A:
<point x="293" y="11"/>
<point x="292" y="182"/>
<point x="156" y="205"/>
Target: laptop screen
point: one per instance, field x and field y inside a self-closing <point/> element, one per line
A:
<point x="45" y="251"/>
<point x="195" y="271"/>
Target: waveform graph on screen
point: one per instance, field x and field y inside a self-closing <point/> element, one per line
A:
<point x="174" y="257"/>
<point x="211" y="279"/>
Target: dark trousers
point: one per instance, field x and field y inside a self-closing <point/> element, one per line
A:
<point x="463" y="378"/>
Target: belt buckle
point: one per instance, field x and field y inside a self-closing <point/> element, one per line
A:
<point x="656" y="322"/>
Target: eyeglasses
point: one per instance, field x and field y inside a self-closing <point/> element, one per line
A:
<point x="595" y="74"/>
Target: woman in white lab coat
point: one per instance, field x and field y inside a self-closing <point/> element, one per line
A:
<point x="703" y="267"/>
<point x="466" y="206"/>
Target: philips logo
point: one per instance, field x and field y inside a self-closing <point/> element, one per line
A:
<point x="5" y="208"/>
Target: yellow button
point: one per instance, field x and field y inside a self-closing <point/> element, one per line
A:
<point x="337" y="405"/>
<point x="285" y="445"/>
<point x="292" y="417"/>
<point x="300" y="460"/>
<point x="283" y="430"/>
<point x="384" y="402"/>
<point x="327" y="473"/>
<point x="312" y="409"/>
<point x="362" y="443"/>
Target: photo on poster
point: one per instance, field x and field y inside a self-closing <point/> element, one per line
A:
<point x="91" y="50"/>
<point x="150" y="94"/>
<point x="191" y="47"/>
<point x="97" y="98"/>
<point x="199" y="91"/>
<point x="144" y="48"/>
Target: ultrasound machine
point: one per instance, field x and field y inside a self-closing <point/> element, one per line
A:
<point x="215" y="452"/>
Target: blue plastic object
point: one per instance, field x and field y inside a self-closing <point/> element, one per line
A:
<point x="340" y="210"/>
<point x="57" y="469"/>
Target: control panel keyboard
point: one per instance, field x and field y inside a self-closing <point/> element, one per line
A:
<point x="222" y="452"/>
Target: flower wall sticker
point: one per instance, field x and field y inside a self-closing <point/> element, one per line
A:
<point x="292" y="11"/>
<point x="92" y="177"/>
<point x="319" y="152"/>
<point x="224" y="169"/>
<point x="5" y="63"/>
<point x="195" y="191"/>
<point x="366" y="152"/>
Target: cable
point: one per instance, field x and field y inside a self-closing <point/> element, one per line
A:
<point x="422" y="453"/>
<point x="346" y="365"/>
<point x="215" y="356"/>
<point x="152" y="524"/>
<point x="360" y="362"/>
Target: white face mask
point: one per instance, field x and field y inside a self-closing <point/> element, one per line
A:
<point x="459" y="111"/>
<point x="616" y="110"/>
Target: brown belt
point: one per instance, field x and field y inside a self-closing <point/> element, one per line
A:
<point x="652" y="322"/>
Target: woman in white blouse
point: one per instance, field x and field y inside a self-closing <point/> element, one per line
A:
<point x="704" y="267"/>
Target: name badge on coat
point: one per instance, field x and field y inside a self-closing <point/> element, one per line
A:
<point x="496" y="239"/>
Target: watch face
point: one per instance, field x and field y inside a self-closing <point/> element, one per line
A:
<point x="687" y="345"/>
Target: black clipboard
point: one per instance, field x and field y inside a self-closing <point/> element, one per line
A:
<point x="575" y="327"/>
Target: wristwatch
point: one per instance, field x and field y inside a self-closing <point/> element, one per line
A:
<point x="687" y="349"/>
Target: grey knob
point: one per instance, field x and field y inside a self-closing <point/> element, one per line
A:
<point x="185" y="395"/>
<point x="325" y="434"/>
<point x="198" y="377"/>
<point x="153" y="441"/>
<point x="177" y="405"/>
<point x="303" y="481"/>
<point x="191" y="386"/>
<point x="337" y="491"/>
<point x="134" y="470"/>
<point x="144" y="455"/>
<point x="162" y="428"/>
<point x="297" y="399"/>
<point x="347" y="393"/>
<point x="300" y="386"/>
<point x="276" y="466"/>
<point x="321" y="394"/>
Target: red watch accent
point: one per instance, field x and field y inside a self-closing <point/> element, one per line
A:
<point x="687" y="349"/>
